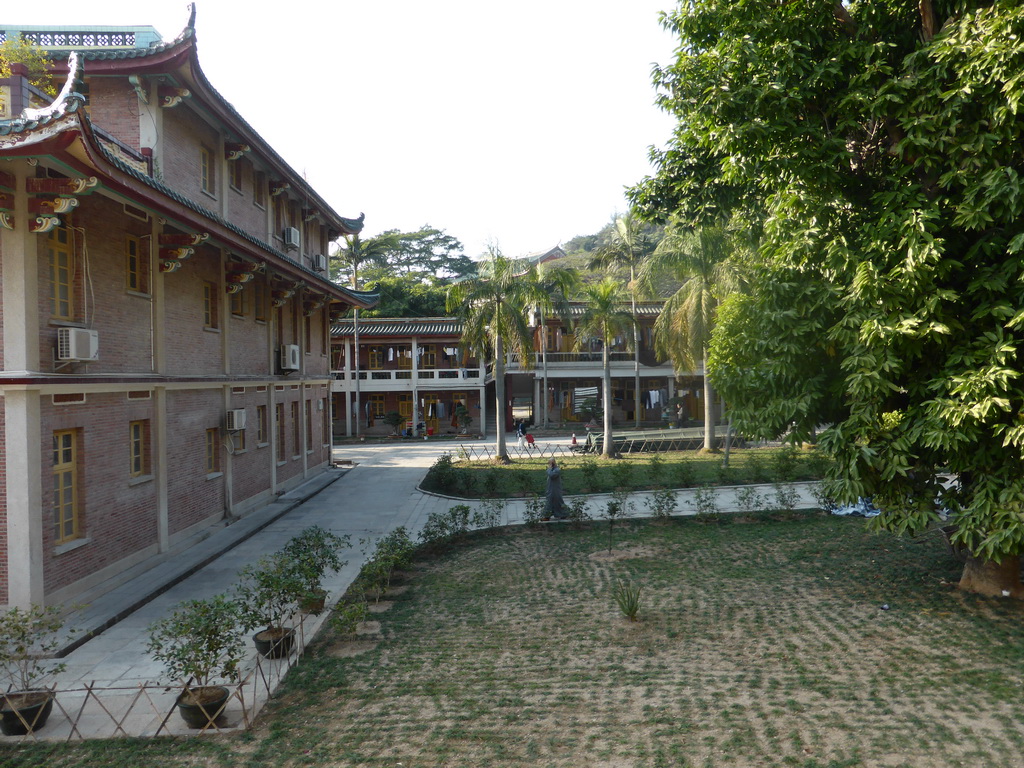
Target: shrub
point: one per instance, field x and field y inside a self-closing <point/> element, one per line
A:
<point x="756" y="472"/>
<point x="442" y="527"/>
<point x="627" y="597"/>
<point x="491" y="482"/>
<point x="441" y="475"/>
<point x="622" y="473"/>
<point x="749" y="500"/>
<point x="27" y="635"/>
<point x="784" y="464"/>
<point x="705" y="499"/>
<point x="656" y="468"/>
<point x="661" y="503"/>
<point x="786" y="497"/>
<point x="617" y="508"/>
<point x="489" y="514"/>
<point x="200" y="641"/>
<point x="682" y="474"/>
<point x="535" y="510"/>
<point x="589" y="469"/>
<point x="347" y="615"/>
<point x="577" y="509"/>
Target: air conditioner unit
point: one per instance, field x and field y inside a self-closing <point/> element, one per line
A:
<point x="319" y="262"/>
<point x="290" y="357"/>
<point x="291" y="238"/>
<point x="78" y="344"/>
<point x="235" y="420"/>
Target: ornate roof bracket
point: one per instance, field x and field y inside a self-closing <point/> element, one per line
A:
<point x="6" y="221"/>
<point x="139" y="84"/>
<point x="184" y="239"/>
<point x="279" y="297"/>
<point x="235" y="151"/>
<point x="310" y="308"/>
<point x="6" y="209"/>
<point x="46" y="206"/>
<point x="171" y="96"/>
<point x="46" y="186"/>
<point x="44" y="223"/>
<point x="167" y="267"/>
<point x="240" y="273"/>
<point x="279" y="187"/>
<point x="176" y="254"/>
<point x="308" y="214"/>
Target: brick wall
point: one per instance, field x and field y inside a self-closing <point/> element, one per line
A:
<point x="191" y="347"/>
<point x="114" y="107"/>
<point x="117" y="513"/>
<point x="3" y="502"/>
<point x="193" y="495"/>
<point x="102" y="302"/>
<point x="183" y="134"/>
<point x="242" y="212"/>
<point x="248" y="344"/>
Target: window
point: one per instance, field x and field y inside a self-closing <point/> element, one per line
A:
<point x="261" y="425"/>
<point x="376" y="405"/>
<point x="138" y="448"/>
<point x="65" y="501"/>
<point x="405" y="404"/>
<point x="308" y="405"/>
<point x="429" y="357"/>
<point x="296" y="432"/>
<point x="404" y="355"/>
<point x="308" y="333"/>
<point x="210" y="305"/>
<point x="259" y="300"/>
<point x="240" y="303"/>
<point x="259" y="189"/>
<point x="279" y="426"/>
<point x="212" y="451"/>
<point x="235" y="179"/>
<point x="207" y="179"/>
<point x="136" y="265"/>
<point x="58" y="251"/>
<point x="376" y="358"/>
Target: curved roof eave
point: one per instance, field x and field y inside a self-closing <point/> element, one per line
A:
<point x="182" y="55"/>
<point x="55" y="133"/>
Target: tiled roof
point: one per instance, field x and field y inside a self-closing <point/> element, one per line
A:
<point x="647" y="309"/>
<point x="397" y="326"/>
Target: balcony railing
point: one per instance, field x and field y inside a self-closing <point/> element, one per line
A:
<point x="429" y="374"/>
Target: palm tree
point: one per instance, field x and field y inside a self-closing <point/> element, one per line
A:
<point x="604" y="318"/>
<point x="628" y="246"/>
<point x="700" y="260"/>
<point x="494" y="310"/>
<point x="372" y="250"/>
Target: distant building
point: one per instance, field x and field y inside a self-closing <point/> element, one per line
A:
<point x="165" y="313"/>
<point x="410" y="364"/>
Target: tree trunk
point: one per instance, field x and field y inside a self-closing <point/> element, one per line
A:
<point x="709" y="409"/>
<point x="606" y="399"/>
<point x="986" y="577"/>
<point x="500" y="451"/>
<point x="636" y="352"/>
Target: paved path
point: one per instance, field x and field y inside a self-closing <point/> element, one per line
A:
<point x="375" y="496"/>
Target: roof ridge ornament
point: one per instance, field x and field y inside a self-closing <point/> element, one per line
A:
<point x="65" y="101"/>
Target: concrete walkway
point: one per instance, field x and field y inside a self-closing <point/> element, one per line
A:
<point x="375" y="496"/>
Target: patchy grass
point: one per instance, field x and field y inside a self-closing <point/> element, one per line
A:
<point x="761" y="643"/>
<point x="638" y="471"/>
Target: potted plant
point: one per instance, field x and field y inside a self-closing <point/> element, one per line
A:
<point x="28" y="636"/>
<point x="198" y="643"/>
<point x="463" y="417"/>
<point x="394" y="420"/>
<point x="269" y="594"/>
<point x="314" y="552"/>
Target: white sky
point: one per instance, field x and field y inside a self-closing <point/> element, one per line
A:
<point x="515" y="123"/>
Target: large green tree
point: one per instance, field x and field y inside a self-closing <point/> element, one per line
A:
<point x="880" y="145"/>
<point x="494" y="309"/>
<point x="604" y="318"/>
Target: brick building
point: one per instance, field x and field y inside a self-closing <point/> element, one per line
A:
<point x="165" y="313"/>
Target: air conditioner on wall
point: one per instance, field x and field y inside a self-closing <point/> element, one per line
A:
<point x="290" y="235"/>
<point x="319" y="262"/>
<point x="290" y="357"/>
<point x="78" y="344"/>
<point x="235" y="420"/>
